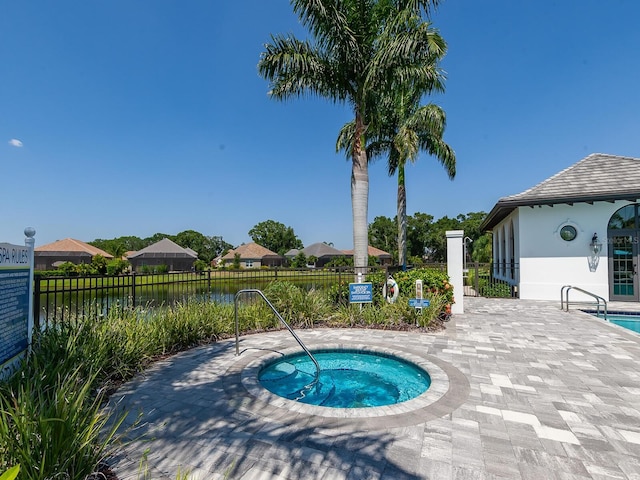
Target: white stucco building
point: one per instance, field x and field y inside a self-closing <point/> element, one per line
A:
<point x="543" y="238"/>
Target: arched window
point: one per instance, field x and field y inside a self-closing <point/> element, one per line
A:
<point x="622" y="237"/>
<point x="625" y="219"/>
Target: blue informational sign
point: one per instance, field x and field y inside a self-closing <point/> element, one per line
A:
<point x="15" y="291"/>
<point x="14" y="311"/>
<point x="418" y="302"/>
<point x="361" y="292"/>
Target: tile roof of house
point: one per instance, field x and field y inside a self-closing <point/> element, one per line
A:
<point x="166" y="248"/>
<point x="321" y="250"/>
<point x="71" y="245"/>
<point x="595" y="178"/>
<point x="372" y="251"/>
<point x="250" y="251"/>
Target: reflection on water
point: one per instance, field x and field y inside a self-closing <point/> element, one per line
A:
<point x="72" y="304"/>
<point x="66" y="306"/>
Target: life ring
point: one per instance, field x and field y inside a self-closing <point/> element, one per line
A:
<point x="393" y="291"/>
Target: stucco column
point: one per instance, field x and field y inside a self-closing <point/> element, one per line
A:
<point x="454" y="268"/>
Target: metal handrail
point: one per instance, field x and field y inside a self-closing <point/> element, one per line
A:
<point x="282" y="320"/>
<point x="564" y="301"/>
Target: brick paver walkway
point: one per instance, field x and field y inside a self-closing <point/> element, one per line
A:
<point x="524" y="391"/>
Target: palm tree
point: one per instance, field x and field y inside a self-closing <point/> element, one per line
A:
<point x="358" y="50"/>
<point x="401" y="129"/>
<point x="407" y="129"/>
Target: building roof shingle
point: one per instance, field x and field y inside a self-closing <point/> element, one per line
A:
<point x="597" y="177"/>
<point x="250" y="251"/>
<point x="372" y="251"/>
<point x="321" y="250"/>
<point x="71" y="245"/>
<point x="164" y="248"/>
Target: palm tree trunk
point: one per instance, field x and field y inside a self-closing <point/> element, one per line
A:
<point x="360" y="198"/>
<point x="402" y="218"/>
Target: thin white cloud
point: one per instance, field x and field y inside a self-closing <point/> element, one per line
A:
<point x="14" y="142"/>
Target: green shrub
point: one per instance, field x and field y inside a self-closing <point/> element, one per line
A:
<point x="342" y="261"/>
<point x="68" y="269"/>
<point x="436" y="288"/>
<point x="200" y="265"/>
<point x="286" y="298"/>
<point x="297" y="307"/>
<point x="51" y="419"/>
<point x="99" y="265"/>
<point x="435" y="285"/>
<point x="315" y="308"/>
<point x="496" y="288"/>
<point x="117" y="266"/>
<point x="338" y="293"/>
<point x="299" y="261"/>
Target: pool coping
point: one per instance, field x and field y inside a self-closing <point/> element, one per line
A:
<point x="448" y="391"/>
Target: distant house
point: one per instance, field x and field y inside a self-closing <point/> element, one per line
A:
<point x="321" y="251"/>
<point x="252" y="255"/>
<point x="52" y="255"/>
<point x="383" y="257"/>
<point x="164" y="252"/>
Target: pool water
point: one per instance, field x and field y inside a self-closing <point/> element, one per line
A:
<point x="348" y="379"/>
<point x="630" y="321"/>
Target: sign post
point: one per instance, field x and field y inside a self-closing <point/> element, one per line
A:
<point x="16" y="300"/>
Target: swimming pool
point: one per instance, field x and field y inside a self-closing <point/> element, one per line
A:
<point x="628" y="320"/>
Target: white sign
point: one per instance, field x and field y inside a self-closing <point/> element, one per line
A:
<point x="13" y="256"/>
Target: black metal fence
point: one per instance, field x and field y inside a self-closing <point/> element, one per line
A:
<point x="498" y="279"/>
<point x="61" y="299"/>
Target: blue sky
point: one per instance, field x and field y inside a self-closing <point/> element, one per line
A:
<point x="136" y="117"/>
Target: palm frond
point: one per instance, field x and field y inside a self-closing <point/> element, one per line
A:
<point x="296" y="67"/>
<point x="345" y="138"/>
<point x="328" y="21"/>
<point x="408" y="53"/>
<point x="438" y="148"/>
<point x="428" y="118"/>
<point x="419" y="6"/>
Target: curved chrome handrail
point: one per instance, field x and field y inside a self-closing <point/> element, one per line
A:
<point x="282" y="320"/>
<point x="564" y="303"/>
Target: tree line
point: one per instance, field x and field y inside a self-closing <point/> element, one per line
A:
<point x="426" y="238"/>
<point x="207" y="247"/>
<point x="425" y="242"/>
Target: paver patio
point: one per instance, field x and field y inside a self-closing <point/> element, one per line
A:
<point x="524" y="391"/>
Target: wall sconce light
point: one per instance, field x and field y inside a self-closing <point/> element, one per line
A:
<point x="595" y="246"/>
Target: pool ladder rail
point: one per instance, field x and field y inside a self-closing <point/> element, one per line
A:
<point x="306" y="388"/>
<point x="564" y="300"/>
